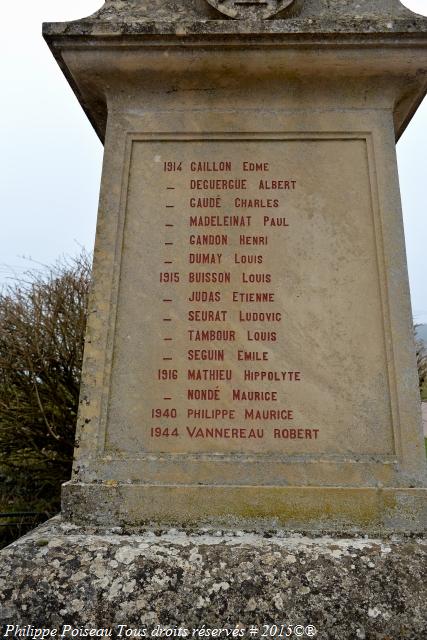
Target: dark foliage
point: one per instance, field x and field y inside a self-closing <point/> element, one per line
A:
<point x="42" y="324"/>
<point x="422" y="367"/>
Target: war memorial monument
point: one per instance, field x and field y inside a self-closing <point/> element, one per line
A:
<point x="249" y="447"/>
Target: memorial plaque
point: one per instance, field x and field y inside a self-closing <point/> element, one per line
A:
<point x="249" y="354"/>
<point x="225" y="325"/>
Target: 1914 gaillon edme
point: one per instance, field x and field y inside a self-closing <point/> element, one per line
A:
<point x="249" y="354"/>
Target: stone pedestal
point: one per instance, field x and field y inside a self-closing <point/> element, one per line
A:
<point x="347" y="588"/>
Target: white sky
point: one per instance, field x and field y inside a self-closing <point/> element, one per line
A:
<point x="50" y="160"/>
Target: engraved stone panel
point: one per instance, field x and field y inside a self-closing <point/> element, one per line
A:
<point x="250" y="278"/>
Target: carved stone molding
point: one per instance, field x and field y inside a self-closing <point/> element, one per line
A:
<point x="250" y="9"/>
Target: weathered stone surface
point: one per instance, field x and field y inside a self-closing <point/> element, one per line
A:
<point x="115" y="11"/>
<point x="184" y="26"/>
<point x="347" y="587"/>
<point x="351" y="509"/>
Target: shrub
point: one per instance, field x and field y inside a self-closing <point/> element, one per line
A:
<point x="42" y="324"/>
<point x="422" y="367"/>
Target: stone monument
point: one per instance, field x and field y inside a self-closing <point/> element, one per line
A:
<point x="250" y="348"/>
<point x="249" y="366"/>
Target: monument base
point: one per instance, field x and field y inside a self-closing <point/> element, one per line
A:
<point x="352" y="509"/>
<point x="345" y="587"/>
